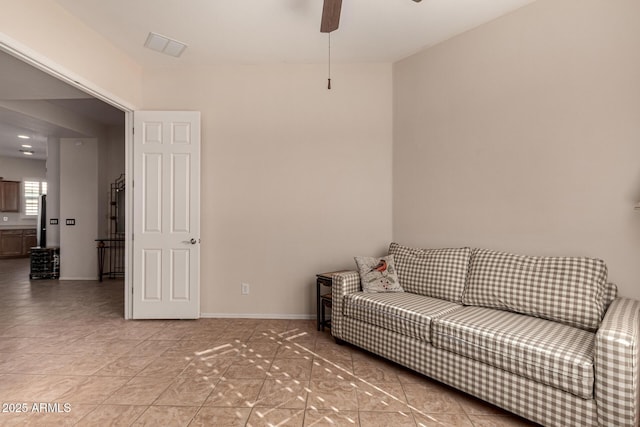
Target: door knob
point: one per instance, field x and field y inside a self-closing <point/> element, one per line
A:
<point x="193" y="241"/>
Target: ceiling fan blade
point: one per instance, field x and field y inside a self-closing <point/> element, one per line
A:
<point x="330" y="15"/>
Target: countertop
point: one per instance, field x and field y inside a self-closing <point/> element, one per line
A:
<point x="17" y="227"/>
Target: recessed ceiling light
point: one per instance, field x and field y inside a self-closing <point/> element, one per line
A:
<point x="26" y="146"/>
<point x="164" y="45"/>
<point x="24" y="137"/>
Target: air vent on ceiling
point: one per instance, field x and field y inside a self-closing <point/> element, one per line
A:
<point x="165" y="45"/>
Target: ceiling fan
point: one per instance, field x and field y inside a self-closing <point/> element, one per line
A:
<point x="331" y="15"/>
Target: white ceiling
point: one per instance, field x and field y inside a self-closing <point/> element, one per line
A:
<point x="233" y="31"/>
<point x="22" y="85"/>
<point x="282" y="31"/>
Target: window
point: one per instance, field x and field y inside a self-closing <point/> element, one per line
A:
<point x="32" y="192"/>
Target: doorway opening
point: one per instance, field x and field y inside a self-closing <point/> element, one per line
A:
<point x="83" y="139"/>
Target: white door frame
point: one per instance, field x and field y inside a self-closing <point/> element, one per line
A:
<point x="43" y="63"/>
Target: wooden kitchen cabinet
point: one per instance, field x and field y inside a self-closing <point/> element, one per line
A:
<point x="11" y="243"/>
<point x="17" y="242"/>
<point x="10" y="196"/>
<point x="29" y="240"/>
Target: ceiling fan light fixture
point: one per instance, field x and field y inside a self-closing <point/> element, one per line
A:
<point x="165" y="45"/>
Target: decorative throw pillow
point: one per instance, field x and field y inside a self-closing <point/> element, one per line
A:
<point x="378" y="274"/>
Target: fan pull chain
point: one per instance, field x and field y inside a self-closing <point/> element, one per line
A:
<point x="329" y="79"/>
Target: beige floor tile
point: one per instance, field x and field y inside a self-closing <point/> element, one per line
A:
<point x="57" y="345"/>
<point x="331" y="350"/>
<point x="88" y="365"/>
<point x="167" y="334"/>
<point x="331" y="418"/>
<point x="340" y="370"/>
<point x="387" y="419"/>
<point x="114" y="348"/>
<point x="407" y="376"/>
<point x="60" y="415"/>
<point x="39" y="364"/>
<point x="233" y="335"/>
<point x="442" y="420"/>
<point x="165" y="366"/>
<point x="474" y="406"/>
<point x="213" y="349"/>
<point x="200" y="334"/>
<point x="10" y="419"/>
<point x="290" y="394"/>
<point x="268" y="417"/>
<point x="207" y="367"/>
<point x="387" y="397"/>
<point x="235" y="393"/>
<point x="248" y="369"/>
<point x="151" y="348"/>
<point x="175" y="416"/>
<point x="304" y="339"/>
<point x="260" y="350"/>
<point x="334" y="395"/>
<point x="139" y="391"/>
<point x="78" y="347"/>
<point x="125" y="366"/>
<point x="227" y="417"/>
<point x="432" y="400"/>
<point x="138" y="333"/>
<point x="375" y="371"/>
<point x="299" y="369"/>
<point x="45" y="388"/>
<point x="112" y="415"/>
<point x="186" y="391"/>
<point x="93" y="390"/>
<point x="289" y="350"/>
<point x="12" y="344"/>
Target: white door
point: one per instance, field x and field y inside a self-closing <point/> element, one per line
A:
<point x="166" y="225"/>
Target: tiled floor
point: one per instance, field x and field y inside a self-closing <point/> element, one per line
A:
<point x="67" y="357"/>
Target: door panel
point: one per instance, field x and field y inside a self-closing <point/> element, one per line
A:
<point x="166" y="241"/>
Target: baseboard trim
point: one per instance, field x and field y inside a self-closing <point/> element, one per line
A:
<point x="257" y="316"/>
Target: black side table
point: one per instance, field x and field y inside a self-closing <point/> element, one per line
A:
<point x="323" y="300"/>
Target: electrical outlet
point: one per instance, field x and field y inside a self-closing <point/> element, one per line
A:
<point x="244" y="288"/>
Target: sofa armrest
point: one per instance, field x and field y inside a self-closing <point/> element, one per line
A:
<point x="616" y="359"/>
<point x="343" y="283"/>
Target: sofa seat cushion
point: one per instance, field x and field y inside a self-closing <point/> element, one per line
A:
<point x="404" y="313"/>
<point x="548" y="352"/>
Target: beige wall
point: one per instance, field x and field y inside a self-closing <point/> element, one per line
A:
<point x="296" y="179"/>
<point x="46" y="31"/>
<point x="111" y="164"/>
<point x="79" y="201"/>
<point x="524" y="135"/>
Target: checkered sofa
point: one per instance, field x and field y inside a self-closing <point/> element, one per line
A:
<point x="543" y="337"/>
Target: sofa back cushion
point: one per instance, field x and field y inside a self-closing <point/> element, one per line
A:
<point x="569" y="290"/>
<point x="436" y="273"/>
